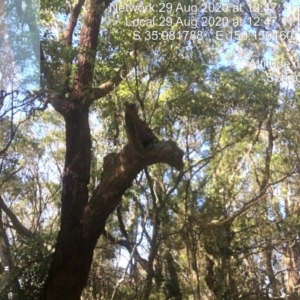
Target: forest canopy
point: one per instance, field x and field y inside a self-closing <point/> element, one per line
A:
<point x="149" y="150"/>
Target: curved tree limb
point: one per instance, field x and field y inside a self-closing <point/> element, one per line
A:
<point x="120" y="169"/>
<point x="105" y="88"/>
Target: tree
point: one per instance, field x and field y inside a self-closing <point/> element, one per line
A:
<point x="83" y="219"/>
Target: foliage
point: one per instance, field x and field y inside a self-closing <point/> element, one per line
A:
<point x="227" y="225"/>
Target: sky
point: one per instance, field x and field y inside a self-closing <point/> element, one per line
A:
<point x="19" y="45"/>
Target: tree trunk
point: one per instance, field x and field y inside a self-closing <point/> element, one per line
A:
<point x="291" y="262"/>
<point x="270" y="272"/>
<point x="191" y="248"/>
<point x="73" y="255"/>
<point x="172" y="286"/>
<point x="83" y="219"/>
<point x="7" y="265"/>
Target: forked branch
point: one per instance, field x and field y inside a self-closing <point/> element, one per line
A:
<point x="120" y="169"/>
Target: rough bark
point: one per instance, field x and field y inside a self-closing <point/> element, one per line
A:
<point x="83" y="220"/>
<point x="65" y="280"/>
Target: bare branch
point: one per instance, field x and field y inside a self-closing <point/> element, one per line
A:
<point x="109" y="85"/>
<point x="129" y="247"/>
<point x="68" y="34"/>
<point x="261" y="196"/>
<point x="22" y="230"/>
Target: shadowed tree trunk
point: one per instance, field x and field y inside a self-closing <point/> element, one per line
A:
<point x="83" y="219"/>
<point x="172" y="286"/>
<point x="73" y="255"/>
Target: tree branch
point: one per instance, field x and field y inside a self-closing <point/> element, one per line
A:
<point x="120" y="169"/>
<point x="22" y="230"/>
<point x="121" y="223"/>
<point x="68" y="34"/>
<point x="129" y="247"/>
<point x="108" y="86"/>
<point x="88" y="44"/>
<point x="7" y="277"/>
<point x="261" y="196"/>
